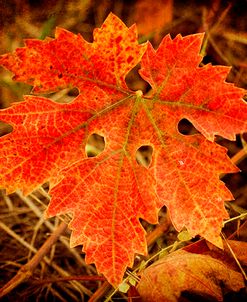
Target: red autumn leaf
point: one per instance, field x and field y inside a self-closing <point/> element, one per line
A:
<point x="107" y="194"/>
<point x="181" y="271"/>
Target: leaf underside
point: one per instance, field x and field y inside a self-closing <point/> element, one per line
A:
<point x="107" y="194"/>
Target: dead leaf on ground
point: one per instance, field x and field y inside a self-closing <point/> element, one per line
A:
<point x="181" y="271"/>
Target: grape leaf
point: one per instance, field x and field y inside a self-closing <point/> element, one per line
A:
<point x="107" y="194"/>
<point x="181" y="271"/>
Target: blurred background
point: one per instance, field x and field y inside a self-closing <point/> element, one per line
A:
<point x="223" y="21"/>
<point x="225" y="24"/>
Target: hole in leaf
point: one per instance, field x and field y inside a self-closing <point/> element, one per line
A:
<point x="5" y="128"/>
<point x="73" y="92"/>
<point x="95" y="145"/>
<point x="144" y="156"/>
<point x="135" y="82"/>
<point x="186" y="128"/>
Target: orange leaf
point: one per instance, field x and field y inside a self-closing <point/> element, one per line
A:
<point x="107" y="194"/>
<point x="181" y="271"/>
<point x="239" y="248"/>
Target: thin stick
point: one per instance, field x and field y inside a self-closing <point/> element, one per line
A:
<point x="27" y="270"/>
<point x="79" y="287"/>
<point x="238" y="157"/>
<point x="71" y="278"/>
<point x="8" y="202"/>
<point x="236" y="232"/>
<point x="17" y="237"/>
<point x="100" y="292"/>
<point x="234" y="256"/>
<point x="50" y="226"/>
<point x="36" y="229"/>
<point x="159" y="230"/>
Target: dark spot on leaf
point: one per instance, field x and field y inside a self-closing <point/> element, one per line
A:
<point x="130" y="59"/>
<point x="144" y="156"/>
<point x="119" y="39"/>
<point x="95" y="145"/>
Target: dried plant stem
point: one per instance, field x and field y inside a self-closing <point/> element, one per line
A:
<point x="17" y="237"/>
<point x="234" y="256"/>
<point x="58" y="295"/>
<point x="50" y="226"/>
<point x="100" y="292"/>
<point x="8" y="202"/>
<point x="79" y="287"/>
<point x="71" y="278"/>
<point x="238" y="157"/>
<point x="159" y="230"/>
<point x="242" y="226"/>
<point x="27" y="270"/>
<point x="35" y="232"/>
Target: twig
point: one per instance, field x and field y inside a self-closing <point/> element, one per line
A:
<point x="159" y="230"/>
<point x="27" y="270"/>
<point x="100" y="292"/>
<point x="234" y="256"/>
<point x="17" y="237"/>
<point x="50" y="226"/>
<point x="36" y="228"/>
<point x="57" y="268"/>
<point x="8" y="202"/>
<point x="236" y="232"/>
<point x="55" y="293"/>
<point x="238" y="157"/>
<point x="71" y="278"/>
